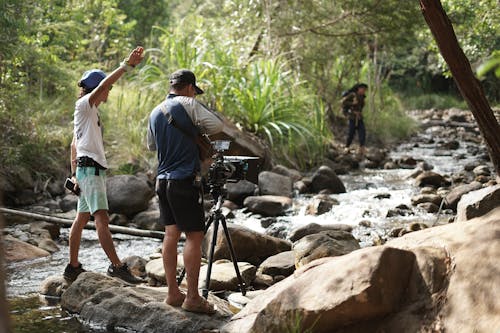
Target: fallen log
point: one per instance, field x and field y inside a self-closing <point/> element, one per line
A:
<point x="90" y="225"/>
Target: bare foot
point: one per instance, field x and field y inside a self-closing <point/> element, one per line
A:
<point x="175" y="299"/>
<point x="199" y="305"/>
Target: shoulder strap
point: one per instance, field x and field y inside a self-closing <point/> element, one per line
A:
<point x="171" y="120"/>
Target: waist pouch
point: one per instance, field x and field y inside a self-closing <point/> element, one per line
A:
<point x="86" y="161"/>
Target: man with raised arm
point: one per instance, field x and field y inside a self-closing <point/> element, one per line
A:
<point x="88" y="165"/>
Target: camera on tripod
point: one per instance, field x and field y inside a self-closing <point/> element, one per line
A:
<point x="226" y="168"/>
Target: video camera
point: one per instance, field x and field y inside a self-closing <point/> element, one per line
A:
<point x="226" y="168"/>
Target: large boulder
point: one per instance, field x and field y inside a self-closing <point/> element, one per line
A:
<point x="239" y="191"/>
<point x="326" y="179"/>
<point x="106" y="302"/>
<point x="454" y="196"/>
<point x="268" y="205"/>
<point x="478" y="203"/>
<point x="469" y="300"/>
<point x="324" y="244"/>
<point x="314" y="228"/>
<point x="128" y="194"/>
<point x="16" y="250"/>
<point x="271" y="183"/>
<point x="330" y="293"/>
<point x="249" y="246"/>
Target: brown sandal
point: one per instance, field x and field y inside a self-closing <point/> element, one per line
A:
<point x="202" y="307"/>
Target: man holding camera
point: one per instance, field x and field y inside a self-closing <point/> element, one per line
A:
<point x="88" y="165"/>
<point x="173" y="128"/>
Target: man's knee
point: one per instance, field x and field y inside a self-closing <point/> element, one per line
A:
<point x="101" y="219"/>
<point x="195" y="236"/>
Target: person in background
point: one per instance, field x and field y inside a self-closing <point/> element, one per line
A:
<point x="173" y="126"/>
<point x="88" y="165"/>
<point x="353" y="102"/>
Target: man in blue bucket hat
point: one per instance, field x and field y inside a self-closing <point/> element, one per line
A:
<point x="88" y="165"/>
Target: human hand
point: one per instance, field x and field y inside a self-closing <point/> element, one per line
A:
<point x="136" y="56"/>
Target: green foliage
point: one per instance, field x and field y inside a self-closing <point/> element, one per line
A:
<point x="276" y="70"/>
<point x="429" y="101"/>
<point x="492" y="64"/>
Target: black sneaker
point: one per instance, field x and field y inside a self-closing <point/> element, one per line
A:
<point x="123" y="273"/>
<point x="71" y="273"/>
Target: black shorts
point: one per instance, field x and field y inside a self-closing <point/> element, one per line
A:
<point x="181" y="203"/>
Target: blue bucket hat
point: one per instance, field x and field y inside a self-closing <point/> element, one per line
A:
<point x="91" y="79"/>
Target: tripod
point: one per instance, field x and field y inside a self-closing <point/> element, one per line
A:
<point x="217" y="217"/>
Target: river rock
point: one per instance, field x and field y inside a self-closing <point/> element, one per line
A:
<point x="68" y="203"/>
<point x="429" y="178"/>
<point x="54" y="286"/>
<point x="48" y="245"/>
<point x="56" y="187"/>
<point x="376" y="155"/>
<point x="128" y="194"/>
<point x="106" y="302"/>
<point x="237" y="192"/>
<point x="478" y="203"/>
<point x="482" y="170"/>
<point x="156" y="272"/>
<point x="283" y="170"/>
<point x="249" y="246"/>
<point x="16" y="250"/>
<point x="324" y="244"/>
<point x="451" y="145"/>
<point x="423" y="198"/>
<point x="326" y="178"/>
<point x="330" y="293"/>
<point x="429" y="207"/>
<point x="453" y="197"/>
<point x="136" y="265"/>
<point x="280" y="264"/>
<point x="301" y="187"/>
<point x="321" y="204"/>
<point x="223" y="275"/>
<point x="268" y="205"/>
<point x="314" y="228"/>
<point x="149" y="220"/>
<point x="271" y="183"/>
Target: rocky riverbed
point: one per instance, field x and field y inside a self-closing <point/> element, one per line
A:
<point x="280" y="228"/>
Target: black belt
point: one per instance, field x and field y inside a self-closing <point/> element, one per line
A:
<point x="85" y="161"/>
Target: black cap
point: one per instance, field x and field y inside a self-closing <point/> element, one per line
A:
<point x="185" y="76"/>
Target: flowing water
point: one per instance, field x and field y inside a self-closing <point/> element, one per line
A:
<point x="359" y="207"/>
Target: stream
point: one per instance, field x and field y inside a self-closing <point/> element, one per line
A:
<point x="359" y="207"/>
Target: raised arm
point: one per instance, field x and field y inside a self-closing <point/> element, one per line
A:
<point x="134" y="58"/>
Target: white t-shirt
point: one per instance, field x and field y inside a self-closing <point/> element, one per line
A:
<point x="88" y="131"/>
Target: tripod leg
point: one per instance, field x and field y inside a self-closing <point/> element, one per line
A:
<point x="233" y="255"/>
<point x="183" y="273"/>
<point x="210" y="258"/>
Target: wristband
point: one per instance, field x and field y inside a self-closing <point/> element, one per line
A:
<point x="126" y="66"/>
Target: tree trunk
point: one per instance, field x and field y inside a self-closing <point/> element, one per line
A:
<point x="467" y="83"/>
